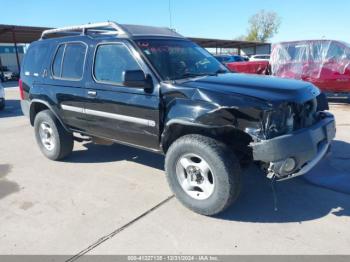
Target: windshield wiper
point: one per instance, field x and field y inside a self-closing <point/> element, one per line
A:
<point x="219" y="71"/>
<point x="189" y="75"/>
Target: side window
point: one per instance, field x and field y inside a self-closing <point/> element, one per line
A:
<point x="73" y="61"/>
<point x="111" y="61"/>
<point x="57" y="63"/>
<point x="34" y="60"/>
<point x="69" y="61"/>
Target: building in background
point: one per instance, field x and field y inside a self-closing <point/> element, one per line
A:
<point x="237" y="47"/>
<point x="256" y="50"/>
<point x="8" y="57"/>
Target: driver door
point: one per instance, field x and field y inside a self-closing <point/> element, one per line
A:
<point x="115" y="111"/>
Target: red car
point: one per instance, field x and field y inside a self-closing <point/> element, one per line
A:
<point x="250" y="67"/>
<point x="239" y="64"/>
<point x="325" y="63"/>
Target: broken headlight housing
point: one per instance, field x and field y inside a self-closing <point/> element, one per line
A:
<point x="278" y="121"/>
<point x="275" y="122"/>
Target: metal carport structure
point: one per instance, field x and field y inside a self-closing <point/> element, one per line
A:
<point x="13" y="34"/>
<point x="236" y="44"/>
<point x="26" y="34"/>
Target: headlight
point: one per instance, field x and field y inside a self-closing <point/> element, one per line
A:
<point x="275" y="122"/>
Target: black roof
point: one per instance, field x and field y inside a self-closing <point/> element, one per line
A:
<point x="141" y="30"/>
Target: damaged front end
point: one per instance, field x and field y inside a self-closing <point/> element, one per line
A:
<point x="292" y="138"/>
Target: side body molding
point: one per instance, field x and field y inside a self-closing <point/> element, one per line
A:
<point x="125" y="118"/>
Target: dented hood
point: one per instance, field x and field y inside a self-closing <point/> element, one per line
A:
<point x="271" y="89"/>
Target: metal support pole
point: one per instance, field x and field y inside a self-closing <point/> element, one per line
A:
<point x="16" y="49"/>
<point x="1" y="71"/>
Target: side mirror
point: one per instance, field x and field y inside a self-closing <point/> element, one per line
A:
<point x="137" y="79"/>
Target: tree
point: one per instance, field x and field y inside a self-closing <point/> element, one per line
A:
<point x="263" y="26"/>
<point x="240" y="38"/>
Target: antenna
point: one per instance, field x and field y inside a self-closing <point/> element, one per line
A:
<point x="170" y="15"/>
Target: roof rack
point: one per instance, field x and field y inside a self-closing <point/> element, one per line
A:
<point x="104" y="28"/>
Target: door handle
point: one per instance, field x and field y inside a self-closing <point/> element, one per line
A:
<point x="92" y="93"/>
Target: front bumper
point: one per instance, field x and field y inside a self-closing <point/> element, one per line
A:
<point x="306" y="146"/>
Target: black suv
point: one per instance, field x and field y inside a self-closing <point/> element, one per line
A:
<point x="153" y="89"/>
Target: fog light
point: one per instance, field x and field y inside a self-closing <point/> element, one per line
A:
<point x="289" y="165"/>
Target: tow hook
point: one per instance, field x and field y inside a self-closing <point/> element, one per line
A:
<point x="270" y="172"/>
<point x="274" y="178"/>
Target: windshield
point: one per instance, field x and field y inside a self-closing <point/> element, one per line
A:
<point x="178" y="59"/>
<point x="222" y="58"/>
<point x="237" y="59"/>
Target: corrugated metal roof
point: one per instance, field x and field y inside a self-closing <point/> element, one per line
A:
<point x="223" y="43"/>
<point x="23" y="34"/>
<point x="28" y="34"/>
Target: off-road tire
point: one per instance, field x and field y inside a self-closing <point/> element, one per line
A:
<point x="63" y="140"/>
<point x="226" y="172"/>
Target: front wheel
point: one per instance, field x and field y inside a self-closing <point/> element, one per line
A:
<point x="203" y="173"/>
<point x="53" y="140"/>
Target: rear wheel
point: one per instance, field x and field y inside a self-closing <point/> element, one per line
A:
<point x="53" y="140"/>
<point x="203" y="173"/>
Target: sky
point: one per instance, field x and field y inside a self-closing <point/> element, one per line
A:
<point x="226" y="19"/>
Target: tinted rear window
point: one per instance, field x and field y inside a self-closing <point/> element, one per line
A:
<point x="71" y="66"/>
<point x="34" y="60"/>
<point x="73" y="61"/>
<point x="57" y="64"/>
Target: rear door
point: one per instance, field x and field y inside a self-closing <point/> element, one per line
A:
<point x="117" y="112"/>
<point x="34" y="64"/>
<point x="67" y="83"/>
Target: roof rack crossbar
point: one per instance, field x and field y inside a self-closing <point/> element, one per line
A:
<point x="98" y="27"/>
